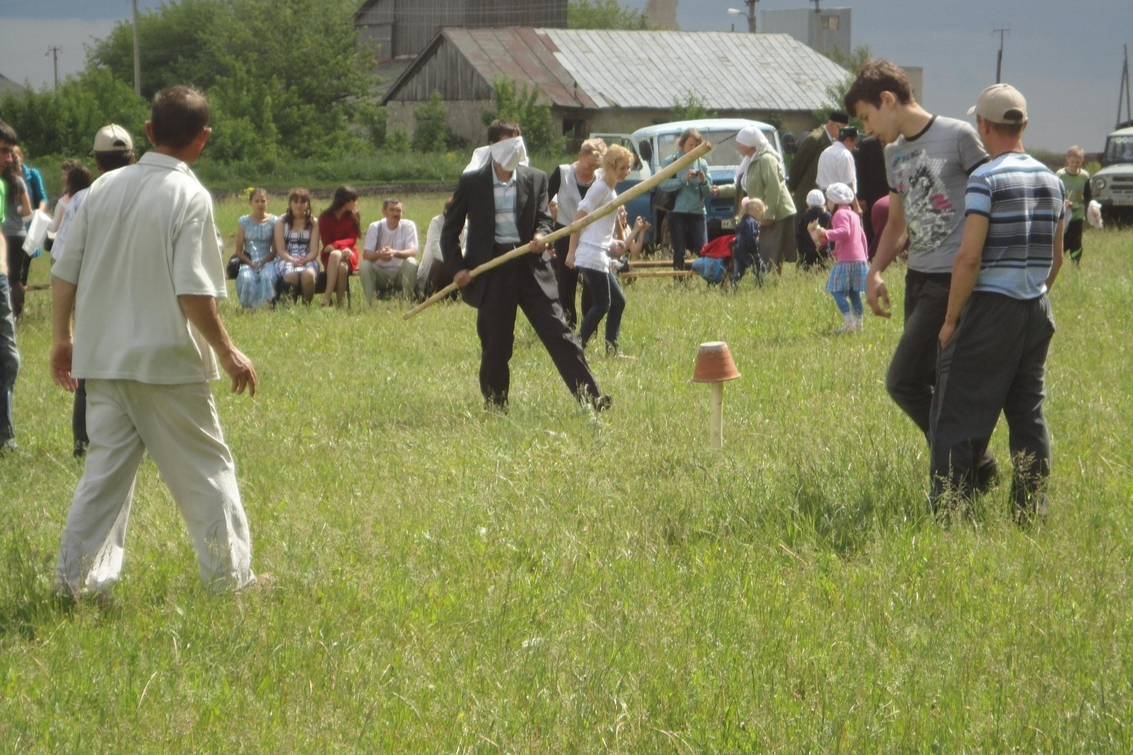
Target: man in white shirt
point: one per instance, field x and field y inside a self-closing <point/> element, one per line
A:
<point x="142" y="269"/>
<point x="836" y="164"/>
<point x="432" y="275"/>
<point x="389" y="256"/>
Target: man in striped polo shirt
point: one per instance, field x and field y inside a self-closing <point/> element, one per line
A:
<point x="998" y="326"/>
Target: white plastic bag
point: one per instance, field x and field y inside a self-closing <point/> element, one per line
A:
<point x="1094" y="214"/>
<point x="37" y="232"/>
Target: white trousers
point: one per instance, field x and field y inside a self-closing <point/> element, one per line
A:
<point x="179" y="427"/>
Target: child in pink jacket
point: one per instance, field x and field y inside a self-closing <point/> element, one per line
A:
<point x="848" y="276"/>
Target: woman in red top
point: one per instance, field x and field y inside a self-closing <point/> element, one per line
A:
<point x="339" y="230"/>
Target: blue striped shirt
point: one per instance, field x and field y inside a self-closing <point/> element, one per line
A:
<point x="1023" y="202"/>
<point x="506" y="230"/>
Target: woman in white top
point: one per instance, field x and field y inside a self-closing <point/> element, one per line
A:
<point x="593" y="246"/>
<point x="570" y="183"/>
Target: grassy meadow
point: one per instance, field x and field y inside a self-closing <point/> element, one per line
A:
<point x="449" y="580"/>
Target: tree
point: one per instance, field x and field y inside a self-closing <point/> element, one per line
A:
<point x="690" y="109"/>
<point x="604" y="14"/>
<point x="853" y="63"/>
<point x="520" y="104"/>
<point x="433" y="133"/>
<point x="281" y="72"/>
<point x="64" y="122"/>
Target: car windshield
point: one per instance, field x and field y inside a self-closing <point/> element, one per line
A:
<point x="1118" y="149"/>
<point x="723" y="155"/>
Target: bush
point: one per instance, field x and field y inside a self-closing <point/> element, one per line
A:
<point x="520" y="104"/>
<point x="433" y="133"/>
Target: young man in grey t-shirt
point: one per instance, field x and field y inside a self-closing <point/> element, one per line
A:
<point x="927" y="160"/>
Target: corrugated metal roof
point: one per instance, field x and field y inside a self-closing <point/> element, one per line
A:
<point x="522" y="54"/>
<point x="648" y="69"/>
<point x="725" y="70"/>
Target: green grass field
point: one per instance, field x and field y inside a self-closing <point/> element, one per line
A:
<point x="455" y="581"/>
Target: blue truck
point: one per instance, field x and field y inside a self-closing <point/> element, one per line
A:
<point x="654" y="144"/>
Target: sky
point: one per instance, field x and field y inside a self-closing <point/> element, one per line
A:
<point x="1065" y="56"/>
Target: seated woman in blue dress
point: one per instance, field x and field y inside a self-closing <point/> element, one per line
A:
<point x="256" y="281"/>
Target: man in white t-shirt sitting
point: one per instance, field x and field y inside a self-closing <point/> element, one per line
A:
<point x="389" y="256"/>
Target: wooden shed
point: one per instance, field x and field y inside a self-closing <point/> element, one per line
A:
<point x="617" y="81"/>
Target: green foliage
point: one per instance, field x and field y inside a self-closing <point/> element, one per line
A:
<point x="690" y="108"/>
<point x="520" y="104"/>
<point x="282" y="73"/>
<point x="853" y="63"/>
<point x="433" y="133"/>
<point x="451" y="580"/>
<point x="397" y="140"/>
<point x="604" y="14"/>
<point x="64" y="122"/>
<point x="372" y="120"/>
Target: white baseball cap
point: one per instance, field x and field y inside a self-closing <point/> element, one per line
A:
<point x="112" y="138"/>
<point x="1001" y="103"/>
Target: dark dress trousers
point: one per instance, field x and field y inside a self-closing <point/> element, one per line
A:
<point x="527" y="283"/>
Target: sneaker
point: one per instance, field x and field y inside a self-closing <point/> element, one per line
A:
<point x="602" y="403"/>
<point x="8" y="447"/>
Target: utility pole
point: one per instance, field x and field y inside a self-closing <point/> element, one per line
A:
<point x="137" y="55"/>
<point x="54" y="51"/>
<point x="1123" y="91"/>
<point x="999" y="60"/>
<point x="751" y="16"/>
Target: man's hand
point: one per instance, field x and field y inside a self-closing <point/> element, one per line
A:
<point x="765" y="224"/>
<point x="462" y="278"/>
<point x="946" y="333"/>
<point x="61" y="365"/>
<point x="385" y="254"/>
<point x="569" y="262"/>
<point x="240" y="369"/>
<point x="537" y="246"/>
<point x="877" y="295"/>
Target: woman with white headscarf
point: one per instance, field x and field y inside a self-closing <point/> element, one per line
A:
<point x="761" y="175"/>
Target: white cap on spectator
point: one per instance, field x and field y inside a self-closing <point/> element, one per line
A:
<point x="112" y="138"/>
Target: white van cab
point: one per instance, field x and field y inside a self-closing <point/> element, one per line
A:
<point x="655" y="144"/>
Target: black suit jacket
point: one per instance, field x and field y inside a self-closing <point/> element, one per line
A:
<point x="804" y="167"/>
<point x="475" y="201"/>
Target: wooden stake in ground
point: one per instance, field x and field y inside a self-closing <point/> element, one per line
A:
<point x="671" y="170"/>
<point x="714" y="365"/>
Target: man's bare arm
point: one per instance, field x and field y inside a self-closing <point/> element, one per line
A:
<point x="202" y="312"/>
<point x="965" y="272"/>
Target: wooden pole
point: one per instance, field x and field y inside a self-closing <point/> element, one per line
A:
<point x="716" y="429"/>
<point x="574" y="227"/>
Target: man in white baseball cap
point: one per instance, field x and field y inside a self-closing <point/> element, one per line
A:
<point x="112" y="138"/>
<point x="1001" y="103"/>
<point x="113" y="149"/>
<point x="999" y="325"/>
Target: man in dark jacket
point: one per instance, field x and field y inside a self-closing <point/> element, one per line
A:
<point x="505" y="205"/>
<point x="804" y="167"/>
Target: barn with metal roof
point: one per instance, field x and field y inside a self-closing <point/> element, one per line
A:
<point x="618" y="80"/>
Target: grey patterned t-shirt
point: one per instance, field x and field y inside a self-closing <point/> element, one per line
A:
<point x="930" y="173"/>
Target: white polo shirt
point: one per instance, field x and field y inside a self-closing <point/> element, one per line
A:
<point x="144" y="235"/>
<point x="836" y="165"/>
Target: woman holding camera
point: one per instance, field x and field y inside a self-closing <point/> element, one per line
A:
<point x="687" y="226"/>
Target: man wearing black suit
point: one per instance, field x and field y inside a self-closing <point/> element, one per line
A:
<point x="505" y="205"/>
<point x="804" y="166"/>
